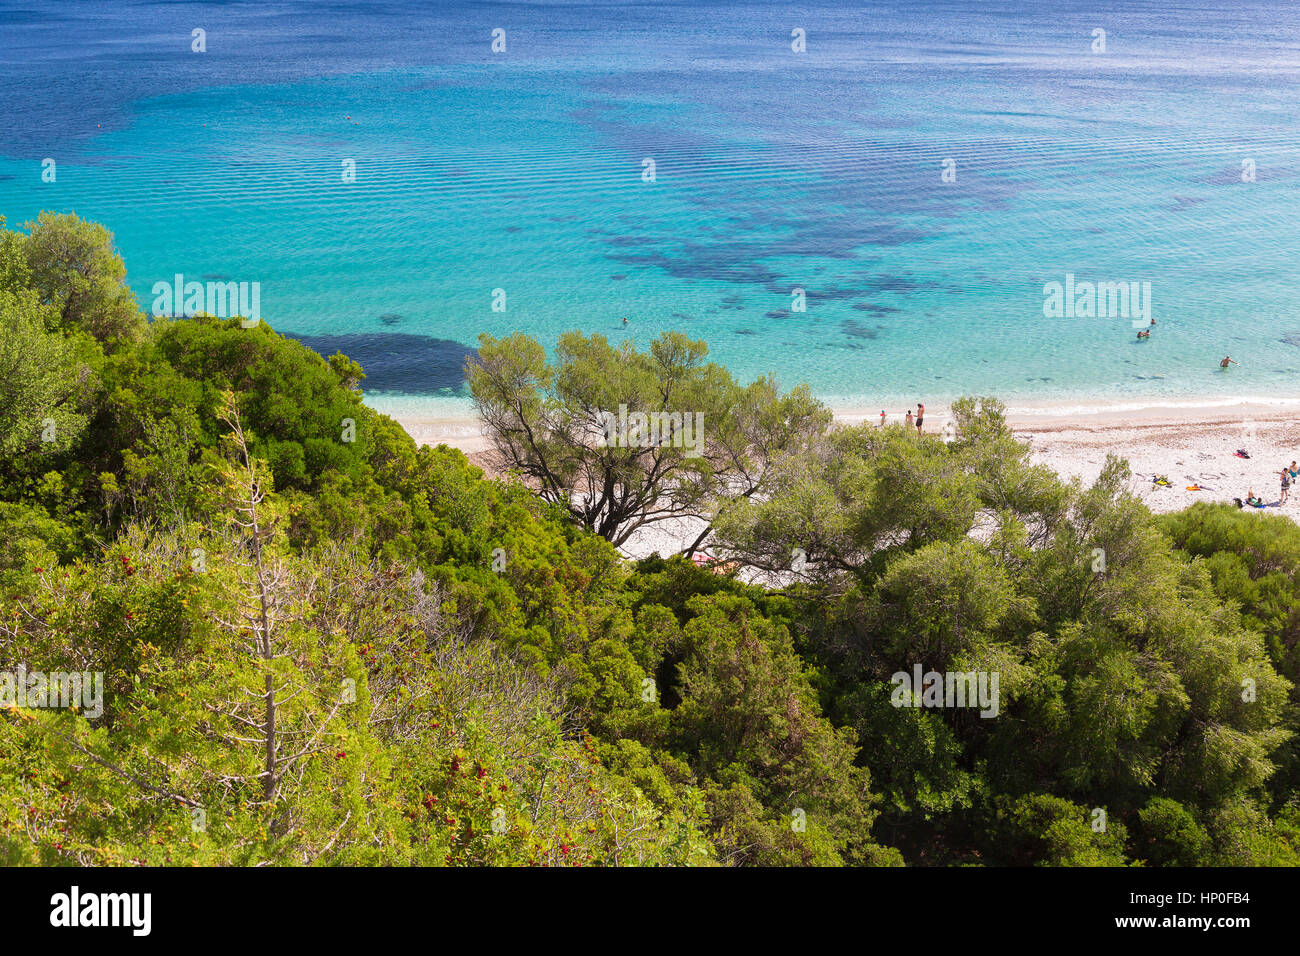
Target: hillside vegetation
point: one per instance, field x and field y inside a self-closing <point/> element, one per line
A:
<point x="322" y="644"/>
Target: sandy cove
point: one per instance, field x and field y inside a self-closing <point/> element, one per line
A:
<point x="1191" y="444"/>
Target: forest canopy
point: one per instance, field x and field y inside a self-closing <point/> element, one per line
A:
<point x="316" y="642"/>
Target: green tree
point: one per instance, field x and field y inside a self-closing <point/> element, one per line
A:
<point x="76" y="270"/>
<point x="706" y="439"/>
<point x="750" y="720"/>
<point x="44" y="386"/>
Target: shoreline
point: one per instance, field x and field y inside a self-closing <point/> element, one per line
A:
<point x="462" y="429"/>
<point x="1190" y="442"/>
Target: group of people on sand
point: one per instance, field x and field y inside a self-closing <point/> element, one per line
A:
<point x="1288" y="474"/>
<point x="910" y="420"/>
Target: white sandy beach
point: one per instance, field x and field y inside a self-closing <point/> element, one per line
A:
<point x="1190" y="443"/>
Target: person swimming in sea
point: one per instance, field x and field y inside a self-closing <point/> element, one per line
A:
<point x="1226" y="360"/>
<point x="1144" y="334"/>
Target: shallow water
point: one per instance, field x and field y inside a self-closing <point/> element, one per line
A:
<point x="774" y="171"/>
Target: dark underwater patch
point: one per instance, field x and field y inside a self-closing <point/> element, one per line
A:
<point x="856" y="330"/>
<point x="399" y="362"/>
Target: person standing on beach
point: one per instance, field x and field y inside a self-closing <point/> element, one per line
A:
<point x="1226" y="360"/>
<point x="1286" y="485"/>
<point x="908" y="420"/>
<point x="882" y="418"/>
<point x="920" y="416"/>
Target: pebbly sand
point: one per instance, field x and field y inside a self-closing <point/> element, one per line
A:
<point x="1190" y="443"/>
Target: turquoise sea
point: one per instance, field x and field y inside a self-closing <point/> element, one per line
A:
<point x="774" y="170"/>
